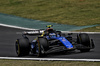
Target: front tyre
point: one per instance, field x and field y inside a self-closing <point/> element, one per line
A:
<point x="22" y="47"/>
<point x="42" y="46"/>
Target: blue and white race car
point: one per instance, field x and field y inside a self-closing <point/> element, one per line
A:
<point x="50" y="40"/>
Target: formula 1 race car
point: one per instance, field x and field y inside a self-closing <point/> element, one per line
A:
<point x="50" y="40"/>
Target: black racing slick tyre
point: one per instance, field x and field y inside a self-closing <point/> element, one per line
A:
<point x="84" y="40"/>
<point x="22" y="47"/>
<point x="42" y="46"/>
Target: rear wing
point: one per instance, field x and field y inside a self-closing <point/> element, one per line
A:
<point x="34" y="32"/>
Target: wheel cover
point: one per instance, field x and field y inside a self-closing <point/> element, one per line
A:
<point x="39" y="49"/>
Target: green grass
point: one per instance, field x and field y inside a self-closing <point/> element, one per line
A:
<point x="72" y="12"/>
<point x="46" y="63"/>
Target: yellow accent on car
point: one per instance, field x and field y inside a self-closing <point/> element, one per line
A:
<point x="39" y="48"/>
<point x="42" y="34"/>
<point x="49" y="26"/>
<point x="18" y="49"/>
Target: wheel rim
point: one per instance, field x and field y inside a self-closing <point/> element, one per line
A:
<point x="39" y="49"/>
<point x="17" y="48"/>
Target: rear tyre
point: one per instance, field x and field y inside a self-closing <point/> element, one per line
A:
<point x="84" y="40"/>
<point x="22" y="47"/>
<point x="42" y="46"/>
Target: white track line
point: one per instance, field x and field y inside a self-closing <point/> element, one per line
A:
<point x="11" y="26"/>
<point x="50" y="59"/>
<point x="47" y="59"/>
<point x="81" y="32"/>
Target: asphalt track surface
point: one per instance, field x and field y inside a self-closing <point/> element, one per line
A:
<point x="8" y="37"/>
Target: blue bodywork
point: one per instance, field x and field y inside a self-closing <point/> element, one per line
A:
<point x="53" y="36"/>
<point x="63" y="40"/>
